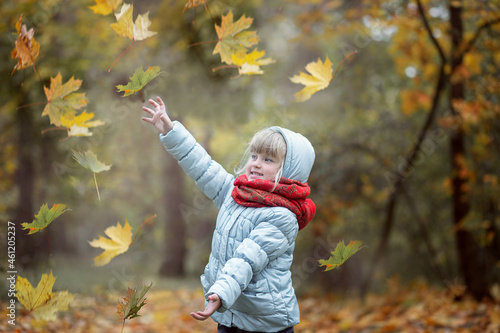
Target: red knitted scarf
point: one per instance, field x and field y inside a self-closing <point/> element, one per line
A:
<point x="288" y="193"/>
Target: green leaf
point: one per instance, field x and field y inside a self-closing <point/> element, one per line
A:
<point x="44" y="218"/>
<point x="139" y="80"/>
<point x="131" y="304"/>
<point x="341" y="254"/>
<point x="89" y="161"/>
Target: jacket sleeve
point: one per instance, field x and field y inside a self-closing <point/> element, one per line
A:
<point x="269" y="240"/>
<point x="210" y="177"/>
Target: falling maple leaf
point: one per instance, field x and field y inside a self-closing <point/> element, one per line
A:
<point x="118" y="242"/>
<point x="44" y="218"/>
<point x="125" y="26"/>
<point x="249" y="63"/>
<point x="139" y="80"/>
<point x="232" y="38"/>
<point x="62" y="99"/>
<point x="319" y="78"/>
<point x="79" y="125"/>
<point x="194" y="3"/>
<point x="41" y="302"/>
<point x="321" y="75"/>
<point x="120" y="239"/>
<point x="340" y="255"/>
<point x="131" y="304"/>
<point x="90" y="162"/>
<point x="105" y="7"/>
<point x="26" y="48"/>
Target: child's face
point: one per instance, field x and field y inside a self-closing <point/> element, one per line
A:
<point x="262" y="166"/>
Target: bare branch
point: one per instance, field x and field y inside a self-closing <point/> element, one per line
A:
<point x="470" y="44"/>
<point x="429" y="31"/>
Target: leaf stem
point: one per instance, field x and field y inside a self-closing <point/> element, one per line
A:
<point x="224" y="66"/>
<point x="53" y="129"/>
<point x="96" y="187"/>
<point x="205" y="42"/>
<point x="121" y="55"/>
<point x="28" y="105"/>
<point x="142" y="224"/>
<point x="340" y="64"/>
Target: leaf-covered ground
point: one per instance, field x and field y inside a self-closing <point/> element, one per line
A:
<point x="414" y="308"/>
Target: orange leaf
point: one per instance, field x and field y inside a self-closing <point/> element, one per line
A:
<point x="62" y="99"/>
<point x="193" y="4"/>
<point x="132" y="303"/>
<point x="232" y="38"/>
<point x="26" y="49"/>
<point x="413" y="100"/>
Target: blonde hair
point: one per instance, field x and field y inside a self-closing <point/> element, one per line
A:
<point x="267" y="141"/>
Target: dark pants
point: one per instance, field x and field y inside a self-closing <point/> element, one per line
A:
<point x="225" y="329"/>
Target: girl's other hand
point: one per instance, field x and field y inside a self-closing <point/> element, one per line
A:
<point x="214" y="303"/>
<point x="160" y="119"/>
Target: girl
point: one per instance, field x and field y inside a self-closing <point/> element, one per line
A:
<point x="247" y="281"/>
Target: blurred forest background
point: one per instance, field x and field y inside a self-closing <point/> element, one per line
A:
<point x="407" y="139"/>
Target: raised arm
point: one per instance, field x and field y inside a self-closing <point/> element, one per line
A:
<point x="209" y="176"/>
<point x="159" y="118"/>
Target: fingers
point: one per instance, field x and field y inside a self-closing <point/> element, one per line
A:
<point x="159" y="105"/>
<point x="199" y="316"/>
<point x="148" y="110"/>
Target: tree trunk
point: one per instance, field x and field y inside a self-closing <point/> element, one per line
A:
<point x="175" y="232"/>
<point x="471" y="257"/>
<point x="29" y="248"/>
<point x="406" y="170"/>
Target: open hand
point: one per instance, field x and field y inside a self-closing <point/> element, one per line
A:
<point x="213" y="304"/>
<point x="160" y="119"/>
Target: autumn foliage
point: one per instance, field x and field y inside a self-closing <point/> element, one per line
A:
<point x="407" y="148"/>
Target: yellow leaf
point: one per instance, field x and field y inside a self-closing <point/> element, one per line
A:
<point x="252" y="58"/>
<point x="41" y="301"/>
<point x="76" y="130"/>
<point x="127" y="28"/>
<point x="118" y="242"/>
<point x="249" y="63"/>
<point x="79" y="125"/>
<point x="320" y="78"/>
<point x="250" y="69"/>
<point x="105" y="7"/>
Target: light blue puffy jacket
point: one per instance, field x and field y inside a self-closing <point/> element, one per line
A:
<point x="252" y="248"/>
